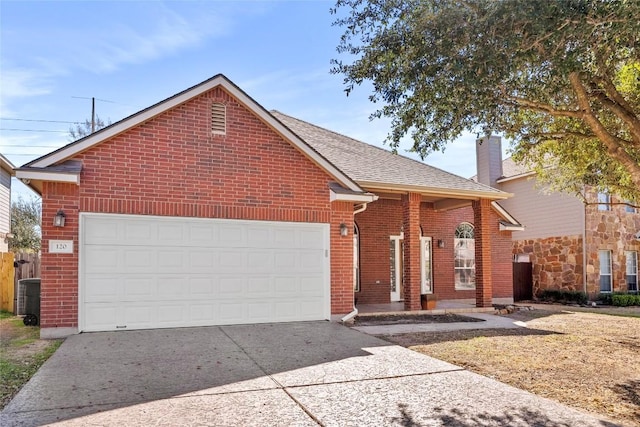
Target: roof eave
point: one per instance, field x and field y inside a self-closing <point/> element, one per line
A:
<point x="435" y="191"/>
<point x="45" y="175"/>
<point x="511" y="178"/>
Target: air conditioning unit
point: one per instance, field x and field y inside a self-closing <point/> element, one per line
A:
<point x="22" y="292"/>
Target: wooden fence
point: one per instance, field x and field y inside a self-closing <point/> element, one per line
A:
<point x="28" y="265"/>
<point x="7" y="282"/>
<point x="15" y="267"/>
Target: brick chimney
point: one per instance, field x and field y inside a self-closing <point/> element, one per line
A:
<point x="489" y="159"/>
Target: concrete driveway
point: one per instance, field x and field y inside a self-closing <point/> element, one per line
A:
<point x="291" y="374"/>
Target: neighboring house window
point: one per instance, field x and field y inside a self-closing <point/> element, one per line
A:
<point x="218" y="118"/>
<point x="629" y="208"/>
<point x="604" y="202"/>
<point x="605" y="271"/>
<point x="632" y="271"/>
<point x="464" y="257"/>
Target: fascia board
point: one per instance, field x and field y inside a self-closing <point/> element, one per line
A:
<point x="71" y="178"/>
<point x="451" y="193"/>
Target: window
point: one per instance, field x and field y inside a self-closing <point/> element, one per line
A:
<point x="426" y="258"/>
<point x="218" y="119"/>
<point x="632" y="271"/>
<point x="604" y="202"/>
<point x="464" y="256"/>
<point x="629" y="207"/>
<point x="605" y="271"/>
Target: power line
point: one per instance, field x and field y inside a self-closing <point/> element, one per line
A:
<point x="39" y="121"/>
<point x="34" y="130"/>
<point x="29" y="146"/>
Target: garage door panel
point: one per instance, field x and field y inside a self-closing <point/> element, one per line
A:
<point x="231" y="286"/>
<point x="134" y="289"/>
<point x="203" y="234"/>
<point x="99" y="259"/>
<point x="170" y="261"/>
<point x="233" y="236"/>
<point x="259" y="286"/>
<point x="101" y="316"/>
<point x="311" y="238"/>
<point x="104" y="289"/>
<point x="311" y="261"/>
<point x="146" y="272"/>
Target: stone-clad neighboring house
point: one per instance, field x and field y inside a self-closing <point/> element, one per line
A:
<point x="6" y="172"/>
<point x="587" y="246"/>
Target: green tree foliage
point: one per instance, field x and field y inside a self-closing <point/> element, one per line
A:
<point x="84" y="129"/>
<point x="25" y="225"/>
<point x="561" y="78"/>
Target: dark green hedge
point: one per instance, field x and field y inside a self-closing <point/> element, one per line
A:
<point x="625" y="300"/>
<point x="557" y="295"/>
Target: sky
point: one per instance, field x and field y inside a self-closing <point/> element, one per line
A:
<point x="57" y="55"/>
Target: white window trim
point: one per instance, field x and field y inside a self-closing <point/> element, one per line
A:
<point x="627" y="272"/>
<point x="610" y="274"/>
<point x="604" y="205"/>
<point x="423" y="284"/>
<point x="458" y="286"/>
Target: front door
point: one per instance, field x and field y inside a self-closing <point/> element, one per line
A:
<point x="396" y="264"/>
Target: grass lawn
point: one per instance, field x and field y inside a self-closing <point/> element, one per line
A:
<point x="585" y="360"/>
<point x="22" y="352"/>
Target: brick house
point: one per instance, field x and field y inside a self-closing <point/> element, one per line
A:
<point x="590" y="246"/>
<point x="207" y="209"/>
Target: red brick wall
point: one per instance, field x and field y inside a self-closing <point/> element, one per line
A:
<point x="341" y="259"/>
<point x="172" y="165"/>
<point x="59" y="272"/>
<point x="384" y="218"/>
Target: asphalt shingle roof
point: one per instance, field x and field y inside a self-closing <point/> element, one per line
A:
<point x="511" y="168"/>
<point x="363" y="162"/>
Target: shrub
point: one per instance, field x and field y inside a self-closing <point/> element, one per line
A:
<point x="558" y="295"/>
<point x="625" y="300"/>
<point x="604" y="299"/>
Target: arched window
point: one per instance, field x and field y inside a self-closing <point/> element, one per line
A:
<point x="464" y="257"/>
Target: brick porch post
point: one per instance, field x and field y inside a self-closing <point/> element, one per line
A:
<point x="482" y="234"/>
<point x="411" y="229"/>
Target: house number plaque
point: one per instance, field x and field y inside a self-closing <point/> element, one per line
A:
<point x="60" y="246"/>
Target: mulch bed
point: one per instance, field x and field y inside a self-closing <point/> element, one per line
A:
<point x="405" y="319"/>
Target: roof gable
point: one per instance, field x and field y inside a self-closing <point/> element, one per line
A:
<point x="69" y="151"/>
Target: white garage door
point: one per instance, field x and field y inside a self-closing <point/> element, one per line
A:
<point x="142" y="272"/>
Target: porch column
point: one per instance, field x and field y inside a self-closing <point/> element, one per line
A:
<point x="411" y="229"/>
<point x="482" y="235"/>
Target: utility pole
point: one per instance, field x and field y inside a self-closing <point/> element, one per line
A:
<point x="93" y="114"/>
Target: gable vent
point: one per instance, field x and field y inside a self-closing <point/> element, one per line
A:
<point x="218" y="119"/>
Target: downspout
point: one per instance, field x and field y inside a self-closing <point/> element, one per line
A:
<point x="354" y="313"/>
<point x="361" y="209"/>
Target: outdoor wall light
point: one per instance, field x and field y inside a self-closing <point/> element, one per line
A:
<point x="58" y="220"/>
<point x="344" y="230"/>
<point x="440" y="243"/>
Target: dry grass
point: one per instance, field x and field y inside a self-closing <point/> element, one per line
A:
<point x="22" y="352"/>
<point x="585" y="360"/>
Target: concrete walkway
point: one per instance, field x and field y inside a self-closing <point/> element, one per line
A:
<point x="293" y="374"/>
<point x="489" y="321"/>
